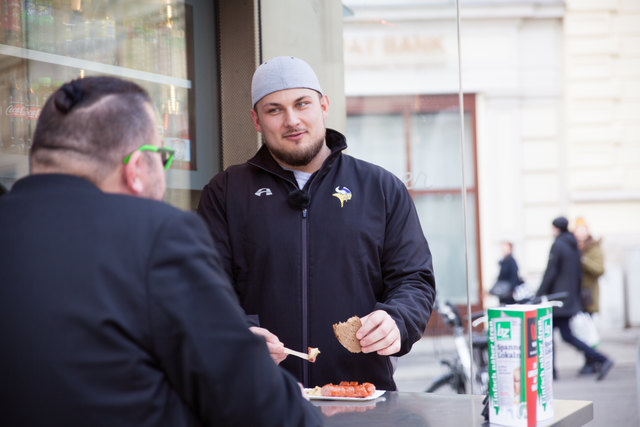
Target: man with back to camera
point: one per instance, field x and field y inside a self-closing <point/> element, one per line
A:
<point x="564" y="274"/>
<point x="115" y="309"/>
<point x="312" y="236"/>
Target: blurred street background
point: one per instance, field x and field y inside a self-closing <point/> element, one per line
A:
<point x="615" y="398"/>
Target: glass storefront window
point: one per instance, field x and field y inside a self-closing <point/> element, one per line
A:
<point x="379" y="139"/>
<point x="402" y="83"/>
<point x="441" y="217"/>
<point x="436" y="185"/>
<point x="44" y="43"/>
<point x="417" y="138"/>
<point x="435" y="149"/>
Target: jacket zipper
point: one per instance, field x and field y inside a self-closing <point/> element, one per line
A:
<point x="305" y="298"/>
<point x="305" y="274"/>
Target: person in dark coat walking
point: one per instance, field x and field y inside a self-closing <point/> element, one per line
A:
<point x="564" y="274"/>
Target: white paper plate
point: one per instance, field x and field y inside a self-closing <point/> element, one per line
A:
<point x="376" y="394"/>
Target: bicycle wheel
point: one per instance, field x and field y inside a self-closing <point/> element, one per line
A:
<point x="452" y="379"/>
<point x="439" y="382"/>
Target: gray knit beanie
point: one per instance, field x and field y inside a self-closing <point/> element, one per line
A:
<point x="282" y="72"/>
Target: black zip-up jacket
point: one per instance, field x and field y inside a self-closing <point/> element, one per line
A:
<point x="563" y="274"/>
<point x="300" y="261"/>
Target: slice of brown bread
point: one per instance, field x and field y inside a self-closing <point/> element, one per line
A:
<point x="346" y="334"/>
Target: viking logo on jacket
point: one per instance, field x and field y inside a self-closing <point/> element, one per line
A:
<point x="343" y="195"/>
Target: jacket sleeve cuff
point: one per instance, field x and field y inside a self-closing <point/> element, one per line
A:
<point x="252" y="319"/>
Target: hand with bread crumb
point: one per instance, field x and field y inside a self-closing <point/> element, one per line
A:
<point x="379" y="333"/>
<point x="275" y="346"/>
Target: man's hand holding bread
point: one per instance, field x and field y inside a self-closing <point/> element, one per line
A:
<point x="377" y="331"/>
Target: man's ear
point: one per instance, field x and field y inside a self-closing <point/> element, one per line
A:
<point x="133" y="171"/>
<point x="324" y="106"/>
<point x="256" y="121"/>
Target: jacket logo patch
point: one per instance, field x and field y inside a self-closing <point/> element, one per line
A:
<point x="265" y="191"/>
<point x="343" y="194"/>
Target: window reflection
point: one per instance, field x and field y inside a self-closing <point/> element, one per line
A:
<point x="417" y="138"/>
<point x="379" y="139"/>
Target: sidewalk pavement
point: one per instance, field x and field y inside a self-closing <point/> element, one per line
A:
<point x="615" y="398"/>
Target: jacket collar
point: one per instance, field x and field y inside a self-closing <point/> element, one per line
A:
<point x="568" y="238"/>
<point x="264" y="160"/>
<point x="50" y="181"/>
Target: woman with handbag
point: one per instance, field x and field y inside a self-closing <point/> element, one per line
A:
<point x="508" y="277"/>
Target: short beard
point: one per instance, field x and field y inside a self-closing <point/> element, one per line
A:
<point x="297" y="158"/>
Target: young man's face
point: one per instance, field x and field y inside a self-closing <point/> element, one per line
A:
<point x="292" y="123"/>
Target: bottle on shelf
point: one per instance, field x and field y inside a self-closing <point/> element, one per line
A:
<point x="31" y="34"/>
<point x="32" y="112"/>
<point x="4" y="97"/>
<point x="45" y="26"/>
<point x="61" y="13"/>
<point x="179" y="52"/>
<point x="165" y="33"/>
<point x="136" y="46"/>
<point x="175" y="123"/>
<point x="12" y="28"/>
<point x="15" y="115"/>
<point x="45" y="89"/>
<point x="68" y="40"/>
<point x="130" y="36"/>
<point x="171" y="44"/>
<point x="83" y="37"/>
<point x="103" y="34"/>
<point x="76" y="32"/>
<point x="150" y="59"/>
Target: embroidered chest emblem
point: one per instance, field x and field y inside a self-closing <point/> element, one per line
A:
<point x="343" y="194"/>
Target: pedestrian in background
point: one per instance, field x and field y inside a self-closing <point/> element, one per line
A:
<point x="564" y="274"/>
<point x="508" y="274"/>
<point x="592" y="268"/>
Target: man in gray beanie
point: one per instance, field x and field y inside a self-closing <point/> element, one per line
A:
<point x="564" y="274"/>
<point x="311" y="237"/>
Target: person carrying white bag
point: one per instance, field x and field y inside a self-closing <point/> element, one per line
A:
<point x="564" y="274"/>
<point x="592" y="268"/>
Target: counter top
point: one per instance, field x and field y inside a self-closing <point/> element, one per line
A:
<point x="405" y="409"/>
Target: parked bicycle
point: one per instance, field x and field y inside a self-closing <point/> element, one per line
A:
<point x="458" y="375"/>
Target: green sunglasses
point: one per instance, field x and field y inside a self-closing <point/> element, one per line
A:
<point x="165" y="153"/>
